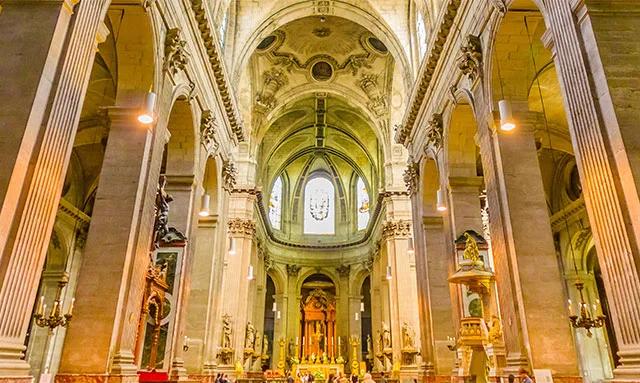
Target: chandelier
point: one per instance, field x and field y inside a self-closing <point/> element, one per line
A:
<point x="319" y="205"/>
<point x="585" y="320"/>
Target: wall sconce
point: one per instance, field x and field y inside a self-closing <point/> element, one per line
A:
<point x="250" y="275"/>
<point x="440" y="200"/>
<point x="146" y="115"/>
<point x="185" y="344"/>
<point x="506" y="116"/>
<point x="274" y="307"/>
<point x="361" y="306"/>
<point x="389" y="275"/>
<point x="204" y="205"/>
<point x="232" y="246"/>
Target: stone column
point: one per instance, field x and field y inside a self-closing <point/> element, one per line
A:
<point x="280" y="330"/>
<point x="355" y="327"/>
<point x="440" y="316"/>
<point x="465" y="204"/>
<point x="540" y="307"/>
<point x="44" y="74"/>
<point x="235" y="285"/>
<point x="202" y="298"/>
<point x="182" y="216"/>
<point x="111" y="281"/>
<point x="594" y="52"/>
<point x="403" y="293"/>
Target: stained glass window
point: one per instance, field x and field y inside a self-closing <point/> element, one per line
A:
<point x="275" y="204"/>
<point x="421" y="32"/>
<point x="319" y="207"/>
<point x="363" y="204"/>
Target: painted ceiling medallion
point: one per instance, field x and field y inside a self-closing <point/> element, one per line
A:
<point x="322" y="71"/>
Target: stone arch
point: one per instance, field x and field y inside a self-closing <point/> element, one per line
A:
<point x="279" y="279"/>
<point x="305" y="273"/>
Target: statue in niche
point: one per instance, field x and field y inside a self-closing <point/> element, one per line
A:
<point x="369" y="345"/>
<point x="226" y="331"/>
<point x="250" y="336"/>
<point x="407" y="336"/>
<point x="265" y="345"/>
<point x="386" y="336"/>
<point x="471" y="251"/>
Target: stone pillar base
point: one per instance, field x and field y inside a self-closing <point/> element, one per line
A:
<point x="95" y="378"/>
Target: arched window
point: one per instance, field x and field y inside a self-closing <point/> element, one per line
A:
<point x="363" y="204"/>
<point x="222" y="29"/>
<point x="421" y="32"/>
<point x="275" y="204"/>
<point x="319" y="207"/>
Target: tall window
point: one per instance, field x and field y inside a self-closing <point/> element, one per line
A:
<point x="275" y="204"/>
<point x="223" y="28"/>
<point x="363" y="204"/>
<point x="421" y="32"/>
<point x="319" y="208"/>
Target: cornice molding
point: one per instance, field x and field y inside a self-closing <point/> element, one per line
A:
<point x="425" y="76"/>
<point x="217" y="64"/>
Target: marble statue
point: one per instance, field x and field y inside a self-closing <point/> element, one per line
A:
<point x="407" y="336"/>
<point x="386" y="336"/>
<point x="265" y="345"/>
<point x="250" y="336"/>
<point x="226" y="331"/>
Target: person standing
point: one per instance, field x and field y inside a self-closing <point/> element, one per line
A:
<point x="524" y="376"/>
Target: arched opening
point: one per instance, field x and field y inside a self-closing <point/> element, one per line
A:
<point x="271" y="311"/>
<point x="366" y="330"/>
<point x="318" y="326"/>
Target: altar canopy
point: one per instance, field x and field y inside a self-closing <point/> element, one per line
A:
<point x="318" y="326"/>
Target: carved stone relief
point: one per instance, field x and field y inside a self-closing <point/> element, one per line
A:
<point x="176" y="56"/>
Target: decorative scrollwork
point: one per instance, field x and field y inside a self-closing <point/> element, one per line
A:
<point x="229" y="175"/>
<point x="176" y="56"/>
<point x="411" y="177"/>
<point x="396" y="229"/>
<point x="435" y="132"/>
<point x="208" y="131"/>
<point x="470" y="60"/>
<point x="293" y="270"/>
<point x="242" y="226"/>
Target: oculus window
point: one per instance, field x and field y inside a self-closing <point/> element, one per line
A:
<point x="275" y="204"/>
<point x="363" y="204"/>
<point x="319" y="207"/>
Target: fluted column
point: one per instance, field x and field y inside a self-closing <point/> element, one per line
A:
<point x="111" y="280"/>
<point x="38" y="121"/>
<point x="201" y="320"/>
<point x="183" y="217"/>
<point x="602" y="116"/>
<point x="540" y="307"/>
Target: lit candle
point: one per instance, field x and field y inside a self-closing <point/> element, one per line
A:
<point x="44" y="308"/>
<point x="570" y="307"/>
<point x="54" y="309"/>
<point x="599" y="308"/>
<point x="40" y="309"/>
<point x="297" y="341"/>
<point x="73" y="302"/>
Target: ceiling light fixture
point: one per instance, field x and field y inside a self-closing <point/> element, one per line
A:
<point x="204" y="205"/>
<point x="146" y="115"/>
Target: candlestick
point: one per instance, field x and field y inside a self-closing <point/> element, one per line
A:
<point x="40" y="309"/>
<point x="73" y="302"/>
<point x="570" y="307"/>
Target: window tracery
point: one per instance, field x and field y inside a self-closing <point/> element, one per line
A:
<point x="362" y="203"/>
<point x="319" y="206"/>
<point x="275" y="204"/>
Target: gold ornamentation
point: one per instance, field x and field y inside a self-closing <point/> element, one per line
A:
<point x="274" y="80"/>
<point x="471" y="251"/>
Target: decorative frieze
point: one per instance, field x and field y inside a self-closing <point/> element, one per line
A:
<point x="470" y="59"/>
<point x="242" y="226"/>
<point x="411" y="177"/>
<point x="208" y="131"/>
<point x="176" y="56"/>
<point x="208" y="37"/>
<point x="293" y="270"/>
<point x="396" y="229"/>
<point x="229" y="175"/>
<point x="435" y="133"/>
